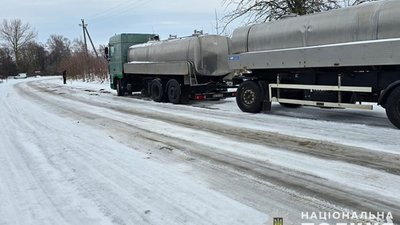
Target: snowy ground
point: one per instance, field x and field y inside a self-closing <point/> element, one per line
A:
<point x="78" y="154"/>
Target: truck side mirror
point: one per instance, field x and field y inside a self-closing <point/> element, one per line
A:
<point x="106" y="52"/>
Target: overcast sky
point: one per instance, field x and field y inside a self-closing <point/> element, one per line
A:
<point x="108" y="17"/>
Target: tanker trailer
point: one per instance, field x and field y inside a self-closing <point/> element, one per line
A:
<point x="173" y="70"/>
<point x="337" y="59"/>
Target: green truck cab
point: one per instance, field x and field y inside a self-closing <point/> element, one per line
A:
<point x="117" y="53"/>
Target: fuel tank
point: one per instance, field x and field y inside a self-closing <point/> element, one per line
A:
<point x="370" y="21"/>
<point x="207" y="53"/>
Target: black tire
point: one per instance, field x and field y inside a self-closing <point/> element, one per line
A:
<point x="156" y="90"/>
<point x="249" y="97"/>
<point x="289" y="105"/>
<point x="120" y="88"/>
<point x="393" y="107"/>
<point x="174" y="91"/>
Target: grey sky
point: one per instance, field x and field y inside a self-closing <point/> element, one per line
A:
<point x="106" y="18"/>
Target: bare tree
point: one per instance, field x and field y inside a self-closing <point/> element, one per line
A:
<point x="256" y="11"/>
<point x="16" y="35"/>
<point x="59" y="47"/>
<point x="33" y="57"/>
<point x="86" y="67"/>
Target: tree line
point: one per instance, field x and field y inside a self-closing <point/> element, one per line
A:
<point x="21" y="53"/>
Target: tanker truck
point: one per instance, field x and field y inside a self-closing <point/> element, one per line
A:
<point x="174" y="70"/>
<point x="344" y="58"/>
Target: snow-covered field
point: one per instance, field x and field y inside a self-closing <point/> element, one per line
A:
<point x="78" y="154"/>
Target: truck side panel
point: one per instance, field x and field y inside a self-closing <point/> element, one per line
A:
<point x="365" y="53"/>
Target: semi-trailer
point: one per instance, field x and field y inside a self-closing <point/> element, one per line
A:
<point x="336" y="59"/>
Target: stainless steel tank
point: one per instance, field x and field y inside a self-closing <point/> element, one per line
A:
<point x="371" y="21"/>
<point x="208" y="53"/>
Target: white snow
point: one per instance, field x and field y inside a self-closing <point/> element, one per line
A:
<point x="55" y="169"/>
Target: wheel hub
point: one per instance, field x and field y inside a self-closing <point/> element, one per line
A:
<point x="249" y="97"/>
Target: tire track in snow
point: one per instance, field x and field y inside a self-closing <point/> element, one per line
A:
<point x="384" y="161"/>
<point x="32" y="196"/>
<point x="105" y="175"/>
<point x="298" y="181"/>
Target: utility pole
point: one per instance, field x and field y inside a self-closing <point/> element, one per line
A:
<point x="85" y="64"/>
<point x="91" y="42"/>
<point x="86" y="32"/>
<point x="83" y="25"/>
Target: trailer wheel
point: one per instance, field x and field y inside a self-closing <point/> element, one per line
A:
<point x="249" y="97"/>
<point x="174" y="91"/>
<point x="393" y="107"/>
<point x="120" y="88"/>
<point x="156" y="90"/>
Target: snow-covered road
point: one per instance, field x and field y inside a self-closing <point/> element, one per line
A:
<point x="78" y="154"/>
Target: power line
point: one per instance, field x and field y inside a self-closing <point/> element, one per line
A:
<point x="118" y="10"/>
<point x="107" y="11"/>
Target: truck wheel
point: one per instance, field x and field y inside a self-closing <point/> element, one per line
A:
<point x="174" y="91"/>
<point x="156" y="90"/>
<point x="249" y="97"/>
<point x="120" y="88"/>
<point x="393" y="107"/>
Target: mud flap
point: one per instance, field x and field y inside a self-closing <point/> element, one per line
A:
<point x="266" y="104"/>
